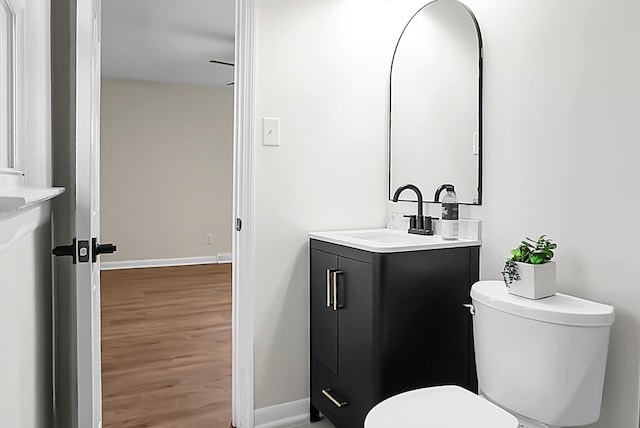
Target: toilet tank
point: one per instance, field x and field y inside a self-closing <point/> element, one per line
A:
<point x="544" y="359"/>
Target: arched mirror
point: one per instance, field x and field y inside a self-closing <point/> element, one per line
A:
<point x="435" y="103"/>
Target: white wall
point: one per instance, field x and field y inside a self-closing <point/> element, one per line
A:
<point x="166" y="169"/>
<point x="322" y="68"/>
<point x="562" y="97"/>
<point x="562" y="103"/>
<point x="25" y="332"/>
<point x="26" y="381"/>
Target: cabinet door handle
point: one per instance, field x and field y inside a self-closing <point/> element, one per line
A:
<point x="335" y="289"/>
<point x="329" y="288"/>
<point x="339" y="402"/>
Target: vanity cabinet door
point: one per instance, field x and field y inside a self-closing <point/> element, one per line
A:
<point x="324" y="319"/>
<point x="355" y="339"/>
<point x="341" y="338"/>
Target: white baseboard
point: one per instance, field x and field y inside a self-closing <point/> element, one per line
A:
<point x="134" y="264"/>
<point x="224" y="258"/>
<point x="282" y="415"/>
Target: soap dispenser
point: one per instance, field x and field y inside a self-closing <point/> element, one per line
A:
<point x="449" y="217"/>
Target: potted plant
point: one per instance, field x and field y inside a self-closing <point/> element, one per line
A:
<point x="529" y="272"/>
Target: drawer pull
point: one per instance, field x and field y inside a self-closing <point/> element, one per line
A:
<point x="335" y="289"/>
<point x="339" y="402"/>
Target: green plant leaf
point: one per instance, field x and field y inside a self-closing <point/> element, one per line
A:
<point x="534" y="251"/>
<point x="537" y="259"/>
<point x="510" y="272"/>
<point x="518" y="254"/>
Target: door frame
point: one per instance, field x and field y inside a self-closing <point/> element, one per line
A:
<point x="85" y="211"/>
<point x="243" y="285"/>
<point x="74" y="71"/>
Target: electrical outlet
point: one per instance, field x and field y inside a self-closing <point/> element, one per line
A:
<point x="208" y="239"/>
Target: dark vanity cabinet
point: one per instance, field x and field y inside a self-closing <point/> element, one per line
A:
<point x="384" y="323"/>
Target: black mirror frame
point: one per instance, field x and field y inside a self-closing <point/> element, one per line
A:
<point x="480" y="98"/>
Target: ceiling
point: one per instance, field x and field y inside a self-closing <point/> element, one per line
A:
<point x="168" y="40"/>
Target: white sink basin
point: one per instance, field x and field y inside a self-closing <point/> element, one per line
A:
<point x="389" y="240"/>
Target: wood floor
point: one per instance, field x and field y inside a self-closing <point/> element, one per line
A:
<point x="166" y="347"/>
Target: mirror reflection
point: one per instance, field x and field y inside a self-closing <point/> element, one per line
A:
<point x="435" y="133"/>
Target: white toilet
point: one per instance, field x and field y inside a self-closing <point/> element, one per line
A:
<point x="540" y="364"/>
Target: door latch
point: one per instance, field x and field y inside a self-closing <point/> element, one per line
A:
<point x="84" y="250"/>
<point x="238" y="224"/>
<point x="101" y="249"/>
<point x="66" y="250"/>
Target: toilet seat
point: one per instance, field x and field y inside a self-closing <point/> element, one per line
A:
<point x="447" y="406"/>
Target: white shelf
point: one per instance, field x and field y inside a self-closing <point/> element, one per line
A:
<point x="15" y="198"/>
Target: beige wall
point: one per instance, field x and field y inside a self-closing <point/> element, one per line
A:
<point x="166" y="173"/>
<point x="26" y="395"/>
<point x="561" y="107"/>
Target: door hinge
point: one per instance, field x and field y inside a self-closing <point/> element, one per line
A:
<point x="238" y="224"/>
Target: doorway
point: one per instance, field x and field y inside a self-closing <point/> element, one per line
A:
<point x="166" y="184"/>
<point x="166" y="346"/>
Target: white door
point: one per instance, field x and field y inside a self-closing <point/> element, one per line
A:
<point x="79" y="396"/>
<point x="87" y="212"/>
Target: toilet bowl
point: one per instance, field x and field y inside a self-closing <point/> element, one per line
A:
<point x="540" y="364"/>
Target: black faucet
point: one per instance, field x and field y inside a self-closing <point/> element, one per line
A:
<point x="417" y="224"/>
<point x="447" y="187"/>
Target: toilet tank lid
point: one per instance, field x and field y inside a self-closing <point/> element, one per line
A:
<point x="559" y="309"/>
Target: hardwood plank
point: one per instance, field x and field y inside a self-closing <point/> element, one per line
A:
<point x="166" y="347"/>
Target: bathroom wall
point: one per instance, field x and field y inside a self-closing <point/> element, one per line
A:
<point x="562" y="100"/>
<point x="323" y="69"/>
<point x="26" y="380"/>
<point x="166" y="173"/>
<point x="561" y="107"/>
<point x="26" y="391"/>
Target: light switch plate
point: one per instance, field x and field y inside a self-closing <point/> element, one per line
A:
<point x="270" y="131"/>
<point x="476" y="143"/>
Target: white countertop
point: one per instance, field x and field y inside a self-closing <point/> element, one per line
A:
<point x="389" y="240"/>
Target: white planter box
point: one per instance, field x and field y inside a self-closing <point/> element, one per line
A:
<point x="536" y="281"/>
